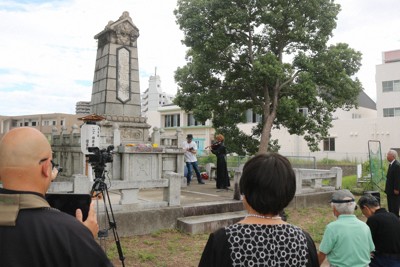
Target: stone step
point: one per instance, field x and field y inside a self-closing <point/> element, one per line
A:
<point x="209" y="223"/>
<point x="212" y="207"/>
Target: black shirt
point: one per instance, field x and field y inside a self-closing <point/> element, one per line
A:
<point x="385" y="230"/>
<point x="45" y="237"/>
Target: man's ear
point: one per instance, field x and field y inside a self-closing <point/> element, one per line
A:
<point x="45" y="168"/>
<point x="335" y="212"/>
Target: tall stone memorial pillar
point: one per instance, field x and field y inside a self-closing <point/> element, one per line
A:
<point x="116" y="90"/>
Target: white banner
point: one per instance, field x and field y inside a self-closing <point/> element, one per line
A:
<point x="90" y="137"/>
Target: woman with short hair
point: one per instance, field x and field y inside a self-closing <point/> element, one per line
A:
<point x="262" y="238"/>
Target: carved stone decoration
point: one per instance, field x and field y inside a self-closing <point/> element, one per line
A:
<point x="123" y="75"/>
<point x="122" y="32"/>
<point x="131" y="134"/>
<point x="143" y="167"/>
<point x="125" y="33"/>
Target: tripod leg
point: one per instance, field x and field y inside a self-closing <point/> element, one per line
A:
<point x="109" y="216"/>
<point x="103" y="233"/>
<point x="113" y="226"/>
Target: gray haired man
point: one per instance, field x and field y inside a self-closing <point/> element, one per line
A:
<point x="392" y="187"/>
<point x="347" y="242"/>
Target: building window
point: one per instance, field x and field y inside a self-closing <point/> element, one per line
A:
<point x="191" y="121"/>
<point x="172" y="120"/>
<point x="34" y="123"/>
<point x="391" y="112"/>
<point x="26" y="123"/>
<point x="391" y="86"/>
<point x="329" y="144"/>
<point x="356" y="116"/>
<point x="303" y="111"/>
<point x="252" y="117"/>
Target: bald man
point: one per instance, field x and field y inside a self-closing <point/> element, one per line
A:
<point x="31" y="232"/>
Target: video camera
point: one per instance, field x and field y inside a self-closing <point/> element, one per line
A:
<point x="100" y="156"/>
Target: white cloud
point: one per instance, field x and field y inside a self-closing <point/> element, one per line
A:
<point x="47" y="47"/>
<point x="370" y="27"/>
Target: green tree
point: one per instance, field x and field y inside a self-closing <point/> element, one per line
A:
<point x="270" y="56"/>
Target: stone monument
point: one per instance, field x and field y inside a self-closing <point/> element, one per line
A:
<point x="139" y="161"/>
<point x="116" y="90"/>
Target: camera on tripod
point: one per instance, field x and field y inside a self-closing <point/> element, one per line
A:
<point x="100" y="156"/>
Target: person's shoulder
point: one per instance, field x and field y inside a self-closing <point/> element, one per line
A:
<point x="297" y="229"/>
<point x="220" y="234"/>
<point x="396" y="163"/>
<point x="383" y="214"/>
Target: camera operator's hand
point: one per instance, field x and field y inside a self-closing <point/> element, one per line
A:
<point x="91" y="221"/>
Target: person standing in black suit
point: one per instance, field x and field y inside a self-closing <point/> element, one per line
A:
<point x="392" y="188"/>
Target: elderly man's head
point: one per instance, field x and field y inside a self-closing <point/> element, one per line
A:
<point x="25" y="160"/>
<point x="368" y="204"/>
<point x="391" y="155"/>
<point x="343" y="202"/>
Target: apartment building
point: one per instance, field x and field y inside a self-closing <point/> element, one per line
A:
<point x="153" y="97"/>
<point x="388" y="85"/>
<point x="83" y="107"/>
<point x="45" y="123"/>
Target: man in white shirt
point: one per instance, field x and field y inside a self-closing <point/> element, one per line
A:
<point x="190" y="149"/>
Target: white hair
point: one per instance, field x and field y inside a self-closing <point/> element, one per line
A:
<point x="393" y="153"/>
<point x="345" y="208"/>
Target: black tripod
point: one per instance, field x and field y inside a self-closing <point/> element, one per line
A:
<point x="100" y="188"/>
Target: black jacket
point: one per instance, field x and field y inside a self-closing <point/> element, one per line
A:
<point x="393" y="178"/>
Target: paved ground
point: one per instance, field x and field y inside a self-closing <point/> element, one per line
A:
<point x="193" y="194"/>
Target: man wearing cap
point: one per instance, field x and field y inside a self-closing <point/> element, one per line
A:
<point x="392" y="187"/>
<point x="347" y="242"/>
<point x="190" y="149"/>
<point x="385" y="230"/>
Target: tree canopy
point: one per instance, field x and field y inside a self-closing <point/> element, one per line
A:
<point x="268" y="56"/>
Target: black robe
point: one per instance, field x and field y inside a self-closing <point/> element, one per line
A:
<point x="45" y="237"/>
<point x="222" y="169"/>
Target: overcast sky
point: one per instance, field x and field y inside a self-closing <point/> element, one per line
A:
<point x="48" y="53"/>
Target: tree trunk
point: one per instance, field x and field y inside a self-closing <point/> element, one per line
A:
<point x="270" y="107"/>
<point x="266" y="134"/>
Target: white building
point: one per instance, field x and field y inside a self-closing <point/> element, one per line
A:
<point x="153" y="97"/>
<point x="83" y="107"/>
<point x="388" y="85"/>
<point x="172" y="117"/>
